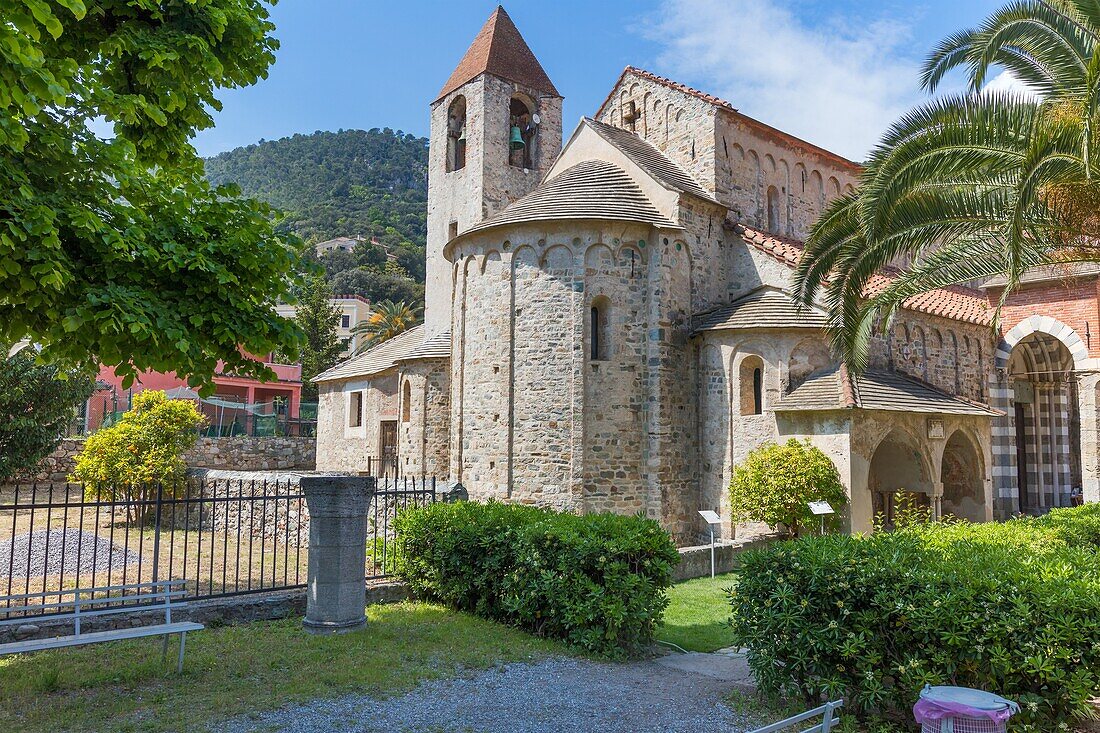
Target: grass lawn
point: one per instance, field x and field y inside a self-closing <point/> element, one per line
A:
<point x="696" y="617"/>
<point x="233" y="670"/>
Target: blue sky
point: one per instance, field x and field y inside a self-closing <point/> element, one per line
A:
<point x="834" y="72"/>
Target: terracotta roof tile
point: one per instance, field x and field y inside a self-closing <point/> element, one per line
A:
<point x="500" y="50"/>
<point x="956" y="303"/>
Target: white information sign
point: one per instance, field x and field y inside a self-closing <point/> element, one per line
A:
<point x="710" y="517"/>
<point x="821" y="507"/>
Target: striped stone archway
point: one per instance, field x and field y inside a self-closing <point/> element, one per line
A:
<point x="1069" y="406"/>
<point x="1047" y="325"/>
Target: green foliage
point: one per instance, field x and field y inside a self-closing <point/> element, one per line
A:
<point x="318" y="318"/>
<point x="118" y="251"/>
<point x="1011" y="607"/>
<point x="775" y="482"/>
<point x="334" y="184"/>
<point x="352" y="182"/>
<point x="597" y="581"/>
<point x="972" y="185"/>
<point x="144" y="449"/>
<point x="37" y="402"/>
<point x="387" y="319"/>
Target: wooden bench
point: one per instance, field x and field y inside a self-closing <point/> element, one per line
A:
<point x="83" y="603"/>
<point x="828" y="720"/>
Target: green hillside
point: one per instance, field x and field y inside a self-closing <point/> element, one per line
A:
<point x="372" y="183"/>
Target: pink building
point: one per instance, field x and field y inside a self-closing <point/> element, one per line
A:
<point x="238" y="406"/>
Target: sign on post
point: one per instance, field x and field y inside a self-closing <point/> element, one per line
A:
<point x="713" y="520"/>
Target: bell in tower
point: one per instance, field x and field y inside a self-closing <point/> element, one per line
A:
<point x="496" y="129"/>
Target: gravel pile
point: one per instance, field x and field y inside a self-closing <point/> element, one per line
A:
<point x="553" y="695"/>
<point x="83" y="552"/>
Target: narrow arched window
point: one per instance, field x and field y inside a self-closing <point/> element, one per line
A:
<point x="752" y="385"/>
<point x="522" y="133"/>
<point x="456" y="134"/>
<point x="598" y="343"/>
<point x="757" y="391"/>
<point x="406" y="402"/>
<point x="773" y="210"/>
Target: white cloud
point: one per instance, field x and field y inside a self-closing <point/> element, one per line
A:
<point x="838" y="84"/>
<point x="1006" y="81"/>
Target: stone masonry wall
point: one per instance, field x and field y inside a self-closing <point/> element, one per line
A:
<point x="240" y="453"/>
<point x="424" y="429"/>
<point x="488" y="182"/>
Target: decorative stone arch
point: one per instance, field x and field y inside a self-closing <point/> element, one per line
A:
<point x="600" y="258"/>
<point x="899" y="462"/>
<point x="491" y="255"/>
<point x="1047" y="325"/>
<point x="631" y="259"/>
<point x="808" y="357"/>
<point x="456" y="134"/>
<point x="963" y="477"/>
<point x="554" y="252"/>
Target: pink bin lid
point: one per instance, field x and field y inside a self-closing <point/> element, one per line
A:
<point x="937" y="703"/>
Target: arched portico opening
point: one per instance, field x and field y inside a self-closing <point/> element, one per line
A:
<point x="897" y="466"/>
<point x="1046" y="422"/>
<point x="962" y="475"/>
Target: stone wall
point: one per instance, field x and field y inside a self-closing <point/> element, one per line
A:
<point x="239" y="453"/>
<point x="488" y="182"/>
<point x="342" y="446"/>
<point x="424" y="430"/>
<point x="695" y="560"/>
<point x="245" y="453"/>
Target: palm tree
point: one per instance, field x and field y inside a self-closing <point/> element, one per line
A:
<point x="972" y="185"/>
<point x="387" y="319"/>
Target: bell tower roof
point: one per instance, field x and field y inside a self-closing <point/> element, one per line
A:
<point x="500" y="50"/>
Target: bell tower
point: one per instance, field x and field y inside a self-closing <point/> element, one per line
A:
<point x="495" y="131"/>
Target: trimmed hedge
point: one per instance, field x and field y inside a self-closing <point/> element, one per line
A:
<point x="1010" y="607"/>
<point x="597" y="581"/>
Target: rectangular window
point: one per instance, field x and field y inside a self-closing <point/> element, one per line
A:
<point x="355" y="410"/>
<point x="452" y="230"/>
<point x="345" y="321"/>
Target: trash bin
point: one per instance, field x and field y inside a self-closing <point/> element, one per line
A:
<point x="962" y="710"/>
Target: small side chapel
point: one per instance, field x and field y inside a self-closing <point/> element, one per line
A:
<point x="609" y="325"/>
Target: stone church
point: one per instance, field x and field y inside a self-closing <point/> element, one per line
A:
<point x="609" y="327"/>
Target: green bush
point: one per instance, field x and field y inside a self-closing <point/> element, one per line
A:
<point x="597" y="581"/>
<point x="775" y="483"/>
<point x="1011" y="607"/>
<point x="144" y="450"/>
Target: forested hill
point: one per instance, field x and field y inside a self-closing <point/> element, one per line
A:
<point x="372" y="183"/>
<point x="336" y="183"/>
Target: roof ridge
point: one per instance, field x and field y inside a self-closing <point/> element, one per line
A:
<point x="943" y="302"/>
<point x="668" y="178"/>
<point x="727" y="106"/>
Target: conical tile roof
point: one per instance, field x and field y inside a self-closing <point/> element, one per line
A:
<point x="500" y="50"/>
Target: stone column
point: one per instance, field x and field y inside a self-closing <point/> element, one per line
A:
<point x="1090" y="434"/>
<point x="937" y="500"/>
<point x="336" y="596"/>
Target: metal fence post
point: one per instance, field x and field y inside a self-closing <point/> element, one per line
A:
<point x="156" y="531"/>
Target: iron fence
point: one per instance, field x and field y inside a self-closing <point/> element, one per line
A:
<point x="222" y="537"/>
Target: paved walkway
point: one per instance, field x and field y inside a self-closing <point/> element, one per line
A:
<point x="678" y="693"/>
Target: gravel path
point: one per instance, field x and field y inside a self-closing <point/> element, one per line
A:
<point x="83" y="552"/>
<point x="552" y="695"/>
